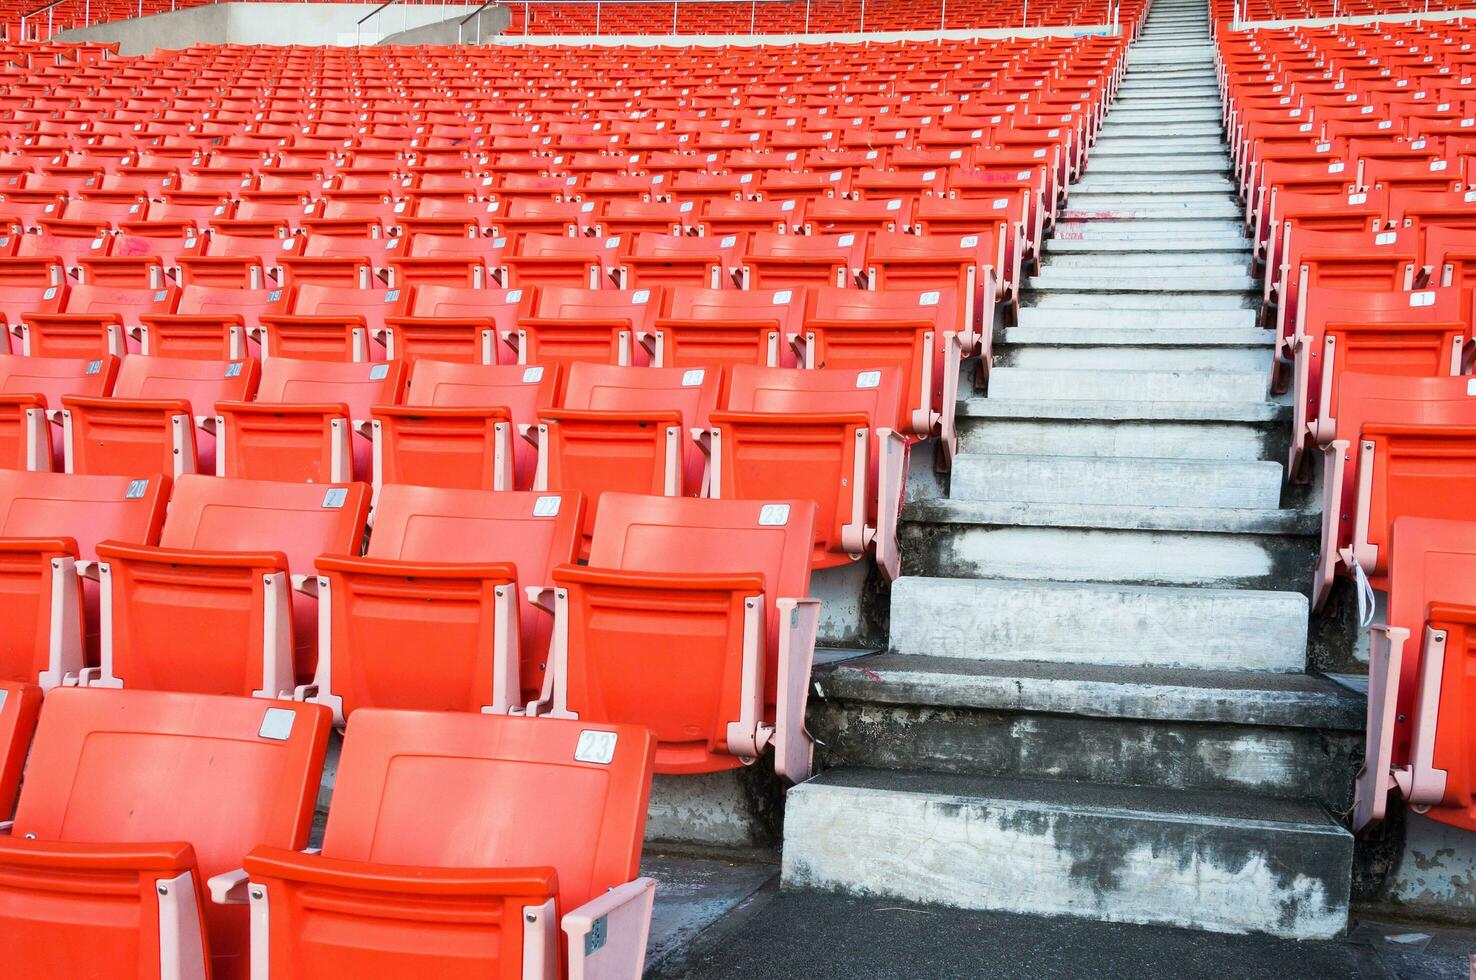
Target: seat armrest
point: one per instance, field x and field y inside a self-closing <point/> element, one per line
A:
<point x="229" y="887"/>
<point x="607" y="934"/>
<point x="315" y="869"/>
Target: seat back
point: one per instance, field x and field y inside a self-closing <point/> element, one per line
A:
<point x="794" y="433"/>
<point x="300" y="425"/>
<point x="28" y="386"/>
<point x="626" y="429"/>
<point x="569" y="324"/>
<point x="657" y="622"/>
<point x="458" y="323"/>
<point x="1413" y="470"/>
<point x="171" y="603"/>
<point x="407" y="593"/>
<point x="94" y="777"/>
<point x="406" y="781"/>
<point x="20" y="703"/>
<point x="717" y="328"/>
<point x="148" y="423"/>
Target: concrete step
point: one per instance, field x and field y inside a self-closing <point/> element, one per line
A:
<point x="1103" y="183"/>
<point x="1163" y="280"/>
<point x="1226" y="261"/>
<point x="1052" y="429"/>
<point x="1184" y="229"/>
<point x="1133" y="318"/>
<point x="1232" y="548"/>
<point x="1139" y="163"/>
<point x="1146" y="342"/>
<point x="1105" y="625"/>
<point x="1288" y="735"/>
<point x="1125" y="481"/>
<point x="1145" y="105"/>
<point x="1119" y="207"/>
<point x="1165" y="145"/>
<point x="1141" y="385"/>
<point x="1050" y="353"/>
<point x="1225" y="862"/>
<point x="1192" y="303"/>
<point x="1124" y="117"/>
<point x="1190" y="129"/>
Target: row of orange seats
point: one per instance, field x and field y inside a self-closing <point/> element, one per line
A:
<point x="171" y="831"/>
<point x="1261" y="10"/>
<point x="1367" y="229"/>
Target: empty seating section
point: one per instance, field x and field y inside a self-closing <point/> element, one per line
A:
<point x="1354" y="156"/>
<point x="1261" y="10"/>
<point x="496" y="405"/>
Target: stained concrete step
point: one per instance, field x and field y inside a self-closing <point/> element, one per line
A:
<point x="1226" y="862"/>
<point x="1145" y="229"/>
<point x="1050" y="432"/>
<point x="1125" y="481"/>
<point x="1190" y="303"/>
<point x="1136" y="317"/>
<point x="1050" y="353"/>
<point x="1288" y="735"/>
<point x="1102" y="183"/>
<point x="1142" y="163"/>
<point x="1140" y="385"/>
<point x="1105" y="625"/>
<point x="1229" y="259"/>
<point x="1116" y="207"/>
<point x="1195" y="546"/>
<point x="1055" y="279"/>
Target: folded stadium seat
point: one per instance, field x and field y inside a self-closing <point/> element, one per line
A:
<point x="563" y="260"/>
<point x="838" y="216"/>
<point x="773" y="261"/>
<point x="692" y="619"/>
<point x="29" y="207"/>
<point x="701" y="187"/>
<point x="463" y="426"/>
<point x="20" y="704"/>
<point x="1386" y="261"/>
<point x="518" y="216"/>
<point x="1418" y="732"/>
<point x="1422" y="333"/>
<point x="834" y="436"/>
<point x="491" y="900"/>
<point x="973" y="265"/>
<point x="602" y="326"/>
<point x="784" y="184"/>
<point x="18" y="299"/>
<point x="31" y="390"/>
<point x="40" y="271"/>
<point x="1438" y="176"/>
<point x="444" y="576"/>
<point x="918" y="331"/>
<point x="1425" y="211"/>
<point x="211" y="322"/>
<point x="310" y="421"/>
<point x="457" y="323"/>
<point x="447" y="260"/>
<point x="65" y="243"/>
<point x="231" y="257"/>
<point x="50" y="525"/>
<point x="1312" y="211"/>
<point x="716" y="328"/>
<point x="674" y="260"/>
<point x="626" y="429"/>
<point x="720" y="217"/>
<point x="1450" y="256"/>
<point x="226" y="602"/>
<point x="871" y="184"/>
<point x="158" y="418"/>
<point x="93" y="321"/>
<point x="1361" y="399"/>
<point x="107" y="863"/>
<point x="332" y="323"/>
<point x="999" y="221"/>
<point x="339" y="260"/>
<point x="620" y="216"/>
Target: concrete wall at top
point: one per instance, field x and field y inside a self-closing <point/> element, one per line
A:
<point x="486" y="25"/>
<point x="263" y="23"/>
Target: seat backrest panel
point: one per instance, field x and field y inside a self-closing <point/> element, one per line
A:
<point x="87" y="509"/>
<point x="444" y="789"/>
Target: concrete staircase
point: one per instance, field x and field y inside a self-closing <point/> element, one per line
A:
<point x="1095" y="699"/>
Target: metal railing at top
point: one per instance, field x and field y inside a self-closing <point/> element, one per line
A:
<point x="529" y="6"/>
<point x="477" y="14"/>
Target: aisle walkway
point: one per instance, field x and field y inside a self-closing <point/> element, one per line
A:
<point x="1095" y="700"/>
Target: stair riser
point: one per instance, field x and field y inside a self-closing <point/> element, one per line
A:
<point x="1249" y="560"/>
<point x="1130" y="358"/>
<point x="1189" y="303"/>
<point x="1117" y="481"/>
<point x="1023" y="856"/>
<point x="1153" y="440"/>
<point x="1225" y="262"/>
<point x="1173" y="755"/>
<point x="1129" y="319"/>
<point x="1182" y="628"/>
<point x="1188" y="386"/>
